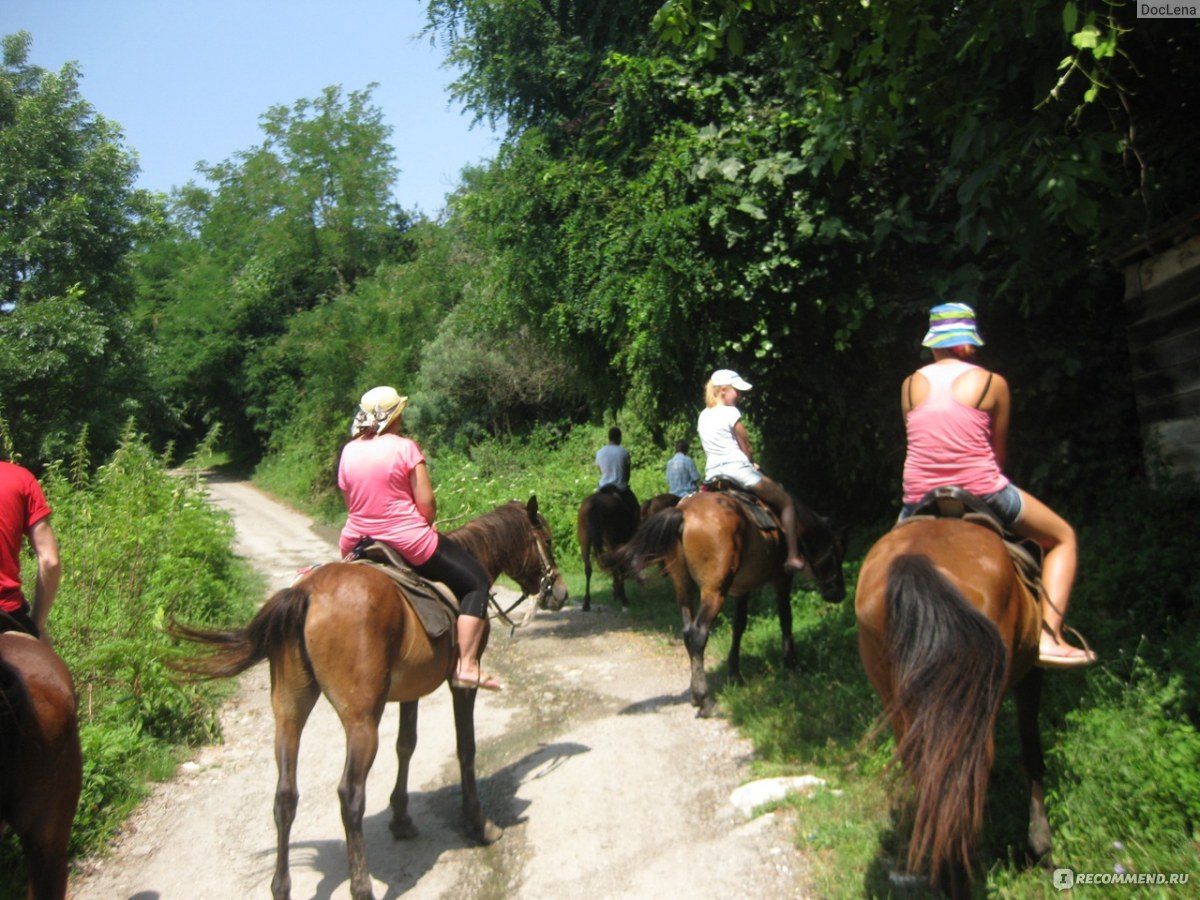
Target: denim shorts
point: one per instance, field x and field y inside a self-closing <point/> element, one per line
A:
<point x="1005" y="503"/>
<point x="740" y="472"/>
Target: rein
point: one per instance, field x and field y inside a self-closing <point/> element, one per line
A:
<point x="545" y="586"/>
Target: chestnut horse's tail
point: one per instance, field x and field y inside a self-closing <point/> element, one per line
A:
<point x="655" y="541"/>
<point x="279" y="621"/>
<point x="949" y="668"/>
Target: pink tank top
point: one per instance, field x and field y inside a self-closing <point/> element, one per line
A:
<point x="949" y="443"/>
<point x="373" y="474"/>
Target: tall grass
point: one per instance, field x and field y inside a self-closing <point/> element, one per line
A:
<point x="138" y="544"/>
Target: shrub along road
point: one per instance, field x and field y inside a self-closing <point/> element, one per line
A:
<point x="591" y="759"/>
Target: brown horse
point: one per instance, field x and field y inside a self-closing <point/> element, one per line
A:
<point x="946" y="626"/>
<point x="41" y="767"/>
<point x="709" y="541"/>
<point x="346" y="630"/>
<point x="658" y="503"/>
<point x="606" y="521"/>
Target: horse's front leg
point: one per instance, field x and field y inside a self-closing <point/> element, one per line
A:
<point x="587" y="578"/>
<point x="401" y="826"/>
<point x="783" y="604"/>
<point x="293" y="696"/>
<point x="741" y="613"/>
<point x="1029" y="697"/>
<point x="478" y="825"/>
<point x="362" y="742"/>
<point x="619" y="588"/>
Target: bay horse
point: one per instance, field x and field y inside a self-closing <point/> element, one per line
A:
<point x="606" y="520"/>
<point x="709" y="542"/>
<point x="41" y="766"/>
<point x="346" y="630"/>
<point x="945" y="627"/>
<point x="658" y="503"/>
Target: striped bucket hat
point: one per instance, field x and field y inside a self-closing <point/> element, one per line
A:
<point x="952" y="325"/>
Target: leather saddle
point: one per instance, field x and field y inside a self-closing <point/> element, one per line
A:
<point x="759" y="513"/>
<point x="956" y="503"/>
<point x="434" y="603"/>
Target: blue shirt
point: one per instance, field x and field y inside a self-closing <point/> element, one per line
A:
<point x="683" y="477"/>
<point x="613" y="462"/>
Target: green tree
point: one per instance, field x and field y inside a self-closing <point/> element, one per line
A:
<point x="69" y="216"/>
<point x="285" y="227"/>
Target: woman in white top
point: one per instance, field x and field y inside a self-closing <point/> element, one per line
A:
<point x="728" y="454"/>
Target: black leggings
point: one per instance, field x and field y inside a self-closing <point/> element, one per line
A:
<point x="460" y="571"/>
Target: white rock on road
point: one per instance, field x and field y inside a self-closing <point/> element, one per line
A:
<point x="591" y="759"/>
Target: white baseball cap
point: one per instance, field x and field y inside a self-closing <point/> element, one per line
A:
<point x="723" y="377"/>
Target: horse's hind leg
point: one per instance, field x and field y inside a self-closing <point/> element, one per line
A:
<point x="1028" y="696"/>
<point x="480" y="827"/>
<point x="402" y="826"/>
<point x="362" y="743"/>
<point x="293" y="695"/>
<point x="695" y="638"/>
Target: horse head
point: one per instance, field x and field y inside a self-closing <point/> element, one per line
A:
<point x="550" y="589"/>
<point x="823" y="546"/>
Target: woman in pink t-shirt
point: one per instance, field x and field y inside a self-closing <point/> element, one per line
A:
<point x="389" y="498"/>
<point x="956" y="417"/>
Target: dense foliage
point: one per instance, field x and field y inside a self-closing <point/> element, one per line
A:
<point x="69" y="217"/>
<point x="138" y="543"/>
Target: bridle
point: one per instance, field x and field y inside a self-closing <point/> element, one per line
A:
<point x="549" y="576"/>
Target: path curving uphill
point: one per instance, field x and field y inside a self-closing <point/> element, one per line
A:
<point x="591" y="759"/>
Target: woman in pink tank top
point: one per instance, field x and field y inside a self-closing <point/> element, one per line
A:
<point x="956" y="416"/>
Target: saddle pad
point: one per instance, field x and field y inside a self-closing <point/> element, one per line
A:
<point x="760" y="515"/>
<point x="434" y="603"/>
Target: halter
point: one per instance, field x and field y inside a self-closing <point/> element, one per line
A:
<point x="545" y="586"/>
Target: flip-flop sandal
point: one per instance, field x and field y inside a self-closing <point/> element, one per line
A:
<point x="482" y="683"/>
<point x="1086" y="657"/>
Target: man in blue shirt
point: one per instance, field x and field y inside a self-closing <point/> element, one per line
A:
<point x="683" y="477"/>
<point x="613" y="462"/>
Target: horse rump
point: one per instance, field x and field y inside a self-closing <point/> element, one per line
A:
<point x="949" y="670"/>
<point x="655" y="541"/>
<point x="279" y="621"/>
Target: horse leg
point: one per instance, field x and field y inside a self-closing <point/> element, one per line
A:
<point x="695" y="638"/>
<point x="586" y="550"/>
<point x="741" y="612"/>
<point x="478" y="825"/>
<point x="1028" y="696"/>
<point x="362" y="742"/>
<point x="402" y="826"/>
<point x="292" y="699"/>
<point x="619" y="588"/>
<point x="783" y="605"/>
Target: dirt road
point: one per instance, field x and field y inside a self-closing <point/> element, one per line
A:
<point x="591" y="759"/>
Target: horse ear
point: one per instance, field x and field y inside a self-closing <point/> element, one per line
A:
<point x="532" y="507"/>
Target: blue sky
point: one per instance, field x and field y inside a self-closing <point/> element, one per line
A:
<point x="187" y="80"/>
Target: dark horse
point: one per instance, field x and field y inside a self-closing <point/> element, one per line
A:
<point x="658" y="503"/>
<point x="347" y="631"/>
<point x="709" y="541"/>
<point x="41" y="768"/>
<point x="606" y="521"/>
<point x="946" y="626"/>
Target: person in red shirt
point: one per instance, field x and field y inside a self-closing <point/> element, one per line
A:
<point x="25" y="513"/>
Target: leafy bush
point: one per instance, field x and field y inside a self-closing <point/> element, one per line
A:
<point x="138" y="543"/>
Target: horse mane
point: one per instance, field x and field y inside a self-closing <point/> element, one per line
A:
<point x="492" y="536"/>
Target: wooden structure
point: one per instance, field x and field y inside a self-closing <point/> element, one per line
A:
<point x="1162" y="298"/>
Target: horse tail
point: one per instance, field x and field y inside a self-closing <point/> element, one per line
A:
<point x="656" y="540"/>
<point x="13" y="700"/>
<point x="280" y="621"/>
<point x="949" y="669"/>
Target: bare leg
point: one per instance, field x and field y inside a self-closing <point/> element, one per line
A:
<point x="774" y="494"/>
<point x="471" y="633"/>
<point x="1057" y="538"/>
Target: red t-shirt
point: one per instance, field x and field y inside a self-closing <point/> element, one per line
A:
<point x="22" y="505"/>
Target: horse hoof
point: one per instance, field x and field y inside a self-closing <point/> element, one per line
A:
<point x="489" y="833"/>
<point x="403" y="830"/>
<point x="707" y="710"/>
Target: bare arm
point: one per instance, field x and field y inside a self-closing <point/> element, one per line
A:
<point x="743" y="440"/>
<point x="998" y="405"/>
<point x="422" y="490"/>
<point x="45" y="548"/>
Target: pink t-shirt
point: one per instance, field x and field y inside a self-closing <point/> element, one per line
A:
<point x="949" y="443"/>
<point x="374" y="475"/>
